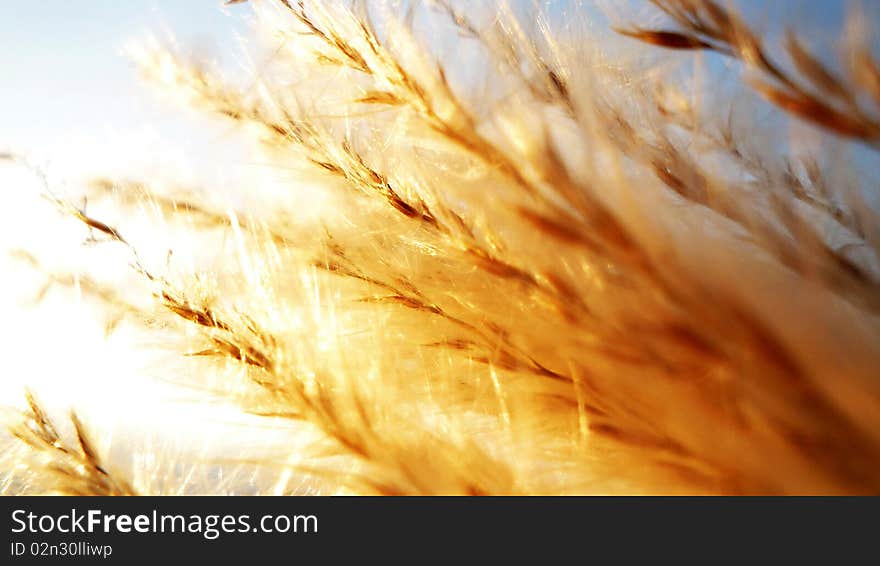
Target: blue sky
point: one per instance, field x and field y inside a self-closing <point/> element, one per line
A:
<point x="69" y="93"/>
<point x="64" y="73"/>
<point x="63" y="68"/>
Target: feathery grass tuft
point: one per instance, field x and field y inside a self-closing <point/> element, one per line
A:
<point x="563" y="270"/>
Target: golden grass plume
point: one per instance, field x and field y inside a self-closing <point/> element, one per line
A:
<point x="543" y="261"/>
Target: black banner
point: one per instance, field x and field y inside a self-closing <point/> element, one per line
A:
<point x="257" y="530"/>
